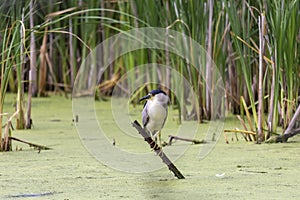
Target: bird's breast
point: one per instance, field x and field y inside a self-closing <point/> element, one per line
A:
<point x="157" y="112"/>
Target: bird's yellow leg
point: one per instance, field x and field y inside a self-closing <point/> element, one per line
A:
<point x="157" y="136"/>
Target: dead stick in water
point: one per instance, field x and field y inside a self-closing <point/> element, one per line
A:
<point x="172" y="137"/>
<point x="39" y="147"/>
<point x="157" y="150"/>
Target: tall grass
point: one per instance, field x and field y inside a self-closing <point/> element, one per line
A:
<point x="284" y="49"/>
<point x="12" y="59"/>
<point x="66" y="31"/>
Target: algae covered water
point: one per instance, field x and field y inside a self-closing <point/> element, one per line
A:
<point x="238" y="170"/>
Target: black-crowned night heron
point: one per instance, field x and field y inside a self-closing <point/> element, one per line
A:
<point x="155" y="112"/>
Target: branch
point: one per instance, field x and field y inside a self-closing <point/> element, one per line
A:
<point x="173" y="137"/>
<point x="293" y="121"/>
<point x="157" y="150"/>
<point x="290" y="131"/>
<point x="39" y="147"/>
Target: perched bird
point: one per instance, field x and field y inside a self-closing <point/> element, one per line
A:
<point x="155" y="112"/>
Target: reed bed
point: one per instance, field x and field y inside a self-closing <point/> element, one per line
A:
<point x="255" y="46"/>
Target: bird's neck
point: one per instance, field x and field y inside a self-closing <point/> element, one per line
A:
<point x="155" y="101"/>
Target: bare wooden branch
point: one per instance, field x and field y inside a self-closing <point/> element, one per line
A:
<point x="157" y="150"/>
<point x="37" y="146"/>
<point x="173" y="137"/>
<point x="293" y="121"/>
<point x="290" y="131"/>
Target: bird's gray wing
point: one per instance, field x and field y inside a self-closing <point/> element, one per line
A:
<point x="145" y="116"/>
<point x="165" y="118"/>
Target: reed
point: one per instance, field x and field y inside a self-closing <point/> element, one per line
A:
<point x="228" y="30"/>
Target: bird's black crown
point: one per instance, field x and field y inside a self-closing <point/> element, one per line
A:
<point x="154" y="92"/>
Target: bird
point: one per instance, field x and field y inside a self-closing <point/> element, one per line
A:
<point x="155" y="112"/>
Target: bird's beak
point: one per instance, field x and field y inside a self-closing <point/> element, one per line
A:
<point x="145" y="97"/>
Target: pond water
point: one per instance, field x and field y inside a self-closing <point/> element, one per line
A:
<point x="238" y="170"/>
